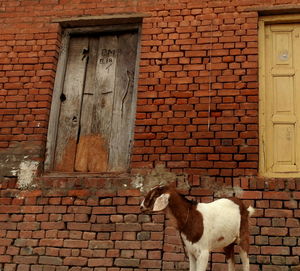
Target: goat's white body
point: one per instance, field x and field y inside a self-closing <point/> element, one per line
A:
<point x="221" y="223"/>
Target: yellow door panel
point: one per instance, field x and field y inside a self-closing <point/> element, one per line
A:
<point x="282" y="48"/>
<point x="284" y="148"/>
<point x="281" y="97"/>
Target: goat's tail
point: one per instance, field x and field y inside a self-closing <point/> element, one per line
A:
<point x="251" y="211"/>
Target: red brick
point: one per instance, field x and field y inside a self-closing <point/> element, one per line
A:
<point x="5" y="259"/>
<point x="275" y="250"/>
<point x="75" y="261"/>
<point x="127" y="244"/>
<point x="75" y="243"/>
<point x="150" y="264"/>
<point x="104" y="210"/>
<point x="100" y="262"/>
<point x="51" y="242"/>
<point x="276" y="195"/>
<point x="278" y="213"/>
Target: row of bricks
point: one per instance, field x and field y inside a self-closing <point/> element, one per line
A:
<point x="90" y="189"/>
<point x="183" y="148"/>
<point x="274" y="252"/>
<point x="91" y="253"/>
<point x="30" y="69"/>
<point x="288" y="228"/>
<point x="233" y="61"/>
<point x="84" y="245"/>
<point x="54" y="238"/>
<point x="189" y="53"/>
<point x="223" y="173"/>
<point x="276" y="260"/>
<point x="189" y="158"/>
<point x="169" y="135"/>
<point x="190" y="66"/>
<point x="81" y="261"/>
<point x="22" y="267"/>
<point x="140" y="254"/>
<point x="196" y="17"/>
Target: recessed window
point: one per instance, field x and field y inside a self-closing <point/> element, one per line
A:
<point x="93" y="114"/>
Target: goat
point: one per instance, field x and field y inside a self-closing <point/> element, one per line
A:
<point x="204" y="226"/>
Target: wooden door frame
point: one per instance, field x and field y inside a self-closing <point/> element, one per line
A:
<point x="60" y="77"/>
<point x="262" y="22"/>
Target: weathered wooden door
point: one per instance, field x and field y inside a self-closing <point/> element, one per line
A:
<point x="97" y="104"/>
<point x="282" y="98"/>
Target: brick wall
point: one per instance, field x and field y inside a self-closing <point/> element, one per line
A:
<point x="197" y="113"/>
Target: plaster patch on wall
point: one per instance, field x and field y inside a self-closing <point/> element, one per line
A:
<point x="26" y="173"/>
<point x="228" y="191"/>
<point x="159" y="176"/>
<point x="220" y="189"/>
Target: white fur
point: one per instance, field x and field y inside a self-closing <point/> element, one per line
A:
<point x="245" y="260"/>
<point x="161" y="202"/>
<point x="251" y="211"/>
<point x="221" y="223"/>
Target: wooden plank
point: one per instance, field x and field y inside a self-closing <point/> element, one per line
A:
<point x="123" y="113"/>
<point x="70" y="106"/>
<point x="93" y="148"/>
<point x="103" y="20"/>
<point x="55" y="105"/>
<point x="105" y="92"/>
<point x="88" y="101"/>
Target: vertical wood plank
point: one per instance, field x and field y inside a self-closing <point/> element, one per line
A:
<point x="55" y="105"/>
<point x="105" y="92"/>
<point x="93" y="148"/>
<point x="71" y="104"/>
<point x="123" y="113"/>
<point x="87" y="108"/>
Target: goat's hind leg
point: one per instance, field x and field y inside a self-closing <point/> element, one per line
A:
<point x="229" y="254"/>
<point x="245" y="260"/>
<point x="244" y="252"/>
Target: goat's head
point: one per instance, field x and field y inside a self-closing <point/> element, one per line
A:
<point x="156" y="200"/>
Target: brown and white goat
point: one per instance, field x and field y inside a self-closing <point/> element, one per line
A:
<point x="205" y="226"/>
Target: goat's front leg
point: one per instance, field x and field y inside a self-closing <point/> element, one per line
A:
<point x="192" y="261"/>
<point x="202" y="260"/>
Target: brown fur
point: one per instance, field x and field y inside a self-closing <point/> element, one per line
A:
<point x="220" y="239"/>
<point x="244" y="228"/>
<point x="229" y="252"/>
<point x="189" y="220"/>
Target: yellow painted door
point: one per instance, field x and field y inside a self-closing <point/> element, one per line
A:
<point x="282" y="99"/>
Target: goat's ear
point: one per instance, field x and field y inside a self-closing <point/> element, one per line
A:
<point x="161" y="202"/>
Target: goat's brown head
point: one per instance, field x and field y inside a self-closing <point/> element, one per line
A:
<point x="156" y="200"/>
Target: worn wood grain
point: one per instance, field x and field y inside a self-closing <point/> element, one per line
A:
<point x="97" y="117"/>
<point x="123" y="113"/>
<point x="87" y="107"/>
<point x="55" y="105"/>
<point x="69" y="118"/>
